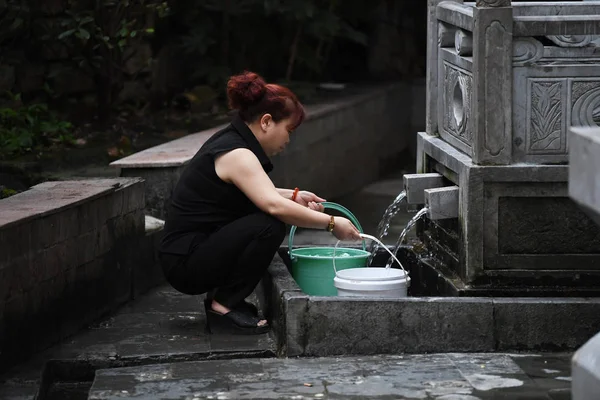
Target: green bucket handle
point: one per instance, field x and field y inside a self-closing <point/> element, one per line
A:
<point x="333" y="206"/>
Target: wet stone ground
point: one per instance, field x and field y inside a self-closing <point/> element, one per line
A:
<point x="161" y="326"/>
<point x="436" y="376"/>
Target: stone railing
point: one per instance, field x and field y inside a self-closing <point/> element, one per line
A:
<point x="342" y="145"/>
<point x="506" y="80"/>
<point x="70" y="251"/>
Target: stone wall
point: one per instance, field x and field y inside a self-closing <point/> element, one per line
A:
<point x="342" y="145"/>
<point x="69" y="253"/>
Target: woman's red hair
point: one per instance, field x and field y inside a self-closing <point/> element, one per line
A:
<point x="252" y="97"/>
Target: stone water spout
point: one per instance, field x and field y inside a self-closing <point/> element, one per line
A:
<point x="442" y="203"/>
<point x="415" y="185"/>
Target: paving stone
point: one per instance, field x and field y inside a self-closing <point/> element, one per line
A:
<point x="433" y="376"/>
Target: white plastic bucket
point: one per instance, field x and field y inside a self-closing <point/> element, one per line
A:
<point x="372" y="282"/>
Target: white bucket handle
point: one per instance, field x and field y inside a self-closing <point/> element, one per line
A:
<point x="365" y="236"/>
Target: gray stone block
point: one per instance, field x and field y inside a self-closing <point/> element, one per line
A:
<point x="415" y="185"/>
<point x="442" y="203"/>
<point x="295" y="329"/>
<point x="586" y="370"/>
<point x="412" y="325"/>
<point x="584" y="167"/>
<point x="544" y="324"/>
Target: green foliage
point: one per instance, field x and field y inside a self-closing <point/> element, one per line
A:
<point x="289" y="40"/>
<point x="5" y="192"/>
<point x="26" y="128"/>
<point x="15" y="18"/>
<point x="271" y="36"/>
<point x="101" y="37"/>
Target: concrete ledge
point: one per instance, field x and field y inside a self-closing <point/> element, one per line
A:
<point x="175" y="153"/>
<point x="363" y="132"/>
<point x="70" y="251"/>
<point x="336" y="325"/>
<point x="323" y="326"/>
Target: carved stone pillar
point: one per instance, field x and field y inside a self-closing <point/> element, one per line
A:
<point x="492" y="70"/>
<point x="431" y="126"/>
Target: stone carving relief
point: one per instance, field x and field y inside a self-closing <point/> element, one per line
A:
<point x="496" y="64"/>
<point x="492" y="3"/>
<point x="457" y="102"/>
<point x="571" y="40"/>
<point x="585" y="97"/>
<point x="526" y="50"/>
<point x="545" y="133"/>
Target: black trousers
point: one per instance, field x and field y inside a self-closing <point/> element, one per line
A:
<point x="229" y="263"/>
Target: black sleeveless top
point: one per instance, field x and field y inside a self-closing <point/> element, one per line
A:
<point x="202" y="203"/>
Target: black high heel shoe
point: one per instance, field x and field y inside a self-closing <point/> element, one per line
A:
<point x="235" y="321"/>
<point x="242" y="306"/>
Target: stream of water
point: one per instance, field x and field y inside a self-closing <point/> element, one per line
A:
<point x="384" y="224"/>
<point x="406" y="229"/>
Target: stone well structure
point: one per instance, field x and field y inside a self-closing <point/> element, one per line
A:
<point x="505" y="82"/>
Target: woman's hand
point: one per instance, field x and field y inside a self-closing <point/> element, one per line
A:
<point x="345" y="230"/>
<point x="310" y="200"/>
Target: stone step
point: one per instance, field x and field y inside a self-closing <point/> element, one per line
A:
<point x="435" y="376"/>
<point x="162" y="326"/>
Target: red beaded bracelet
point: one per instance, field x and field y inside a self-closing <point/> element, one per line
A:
<point x="296" y="190"/>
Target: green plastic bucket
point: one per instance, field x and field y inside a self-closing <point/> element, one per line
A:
<point x="312" y="267"/>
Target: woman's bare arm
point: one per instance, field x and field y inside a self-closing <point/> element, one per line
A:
<point x="241" y="168"/>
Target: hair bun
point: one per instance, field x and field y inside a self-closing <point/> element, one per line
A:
<point x="245" y="89"/>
